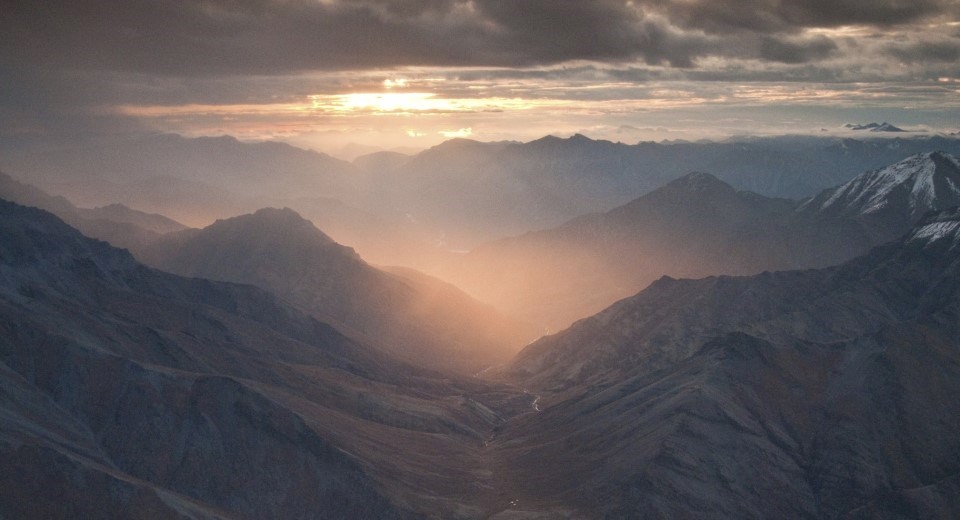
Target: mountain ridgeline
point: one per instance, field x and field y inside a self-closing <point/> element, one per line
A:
<point x="114" y="223"/>
<point x="395" y="208"/>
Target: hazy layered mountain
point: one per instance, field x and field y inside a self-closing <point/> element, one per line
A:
<point x="466" y="191"/>
<point x="453" y="196"/>
<point x="804" y="394"/>
<point x="129" y="392"/>
<point x="114" y="223"/>
<point x="245" y="169"/>
<point x="410" y="315"/>
<point x="195" y="180"/>
<point x="697" y="226"/>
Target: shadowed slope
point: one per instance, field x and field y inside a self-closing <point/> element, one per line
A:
<point x="126" y="389"/>
<point x="808" y="394"/>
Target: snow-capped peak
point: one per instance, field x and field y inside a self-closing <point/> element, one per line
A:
<point x="927" y="181"/>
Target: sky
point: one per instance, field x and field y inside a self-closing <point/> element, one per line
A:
<point x="340" y="75"/>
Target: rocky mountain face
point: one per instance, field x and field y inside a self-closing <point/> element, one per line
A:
<point x="697" y="226"/>
<point x="889" y="201"/>
<point x="804" y="394"/>
<point x="127" y="392"/>
<point x="410" y="315"/>
<point x="114" y="223"/>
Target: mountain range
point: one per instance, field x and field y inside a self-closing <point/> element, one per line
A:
<point x="395" y="208"/>
<point x="129" y="393"/>
<point x="803" y="394"/>
<point x="697" y="226"/>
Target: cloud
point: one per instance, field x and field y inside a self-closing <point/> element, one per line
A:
<point x="765" y="16"/>
<point x="926" y="51"/>
<point x="796" y="51"/>
<point x="222" y="38"/>
<point x="462" y="132"/>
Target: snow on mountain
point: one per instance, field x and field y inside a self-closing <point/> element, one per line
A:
<point x="916" y="185"/>
<point x="874" y="127"/>
<point x="942" y="226"/>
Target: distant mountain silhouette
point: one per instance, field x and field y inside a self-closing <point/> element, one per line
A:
<point x="114" y="223"/>
<point x="874" y="127"/>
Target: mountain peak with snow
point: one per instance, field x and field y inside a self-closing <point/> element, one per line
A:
<point x="874" y="127"/>
<point x="915" y="186"/>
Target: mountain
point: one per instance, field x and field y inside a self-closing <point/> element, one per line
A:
<point x="874" y="127"/>
<point x="697" y="226"/>
<point x="129" y="393"/>
<point x="410" y="315"/>
<point x="115" y="223"/>
<point x="804" y="394"/>
<point x="888" y="201"/>
<point x="120" y="213"/>
<point x="693" y="226"/>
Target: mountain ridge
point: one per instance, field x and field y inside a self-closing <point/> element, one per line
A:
<point x="409" y="316"/>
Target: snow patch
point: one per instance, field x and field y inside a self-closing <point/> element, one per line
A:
<point x="870" y="191"/>
<point x="937" y="230"/>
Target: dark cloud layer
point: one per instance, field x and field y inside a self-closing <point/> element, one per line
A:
<point x="765" y="16"/>
<point x="942" y="51"/>
<point x="789" y="51"/>
<point x="223" y="37"/>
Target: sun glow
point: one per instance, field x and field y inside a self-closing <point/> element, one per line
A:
<point x="419" y="102"/>
<point x="393" y="102"/>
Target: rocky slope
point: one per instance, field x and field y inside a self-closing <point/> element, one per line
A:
<point x="806" y="394"/>
<point x="129" y="392"/>
<point x="888" y="201"/>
